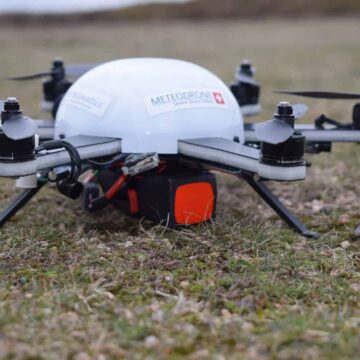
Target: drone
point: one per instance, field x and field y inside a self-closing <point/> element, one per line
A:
<point x="146" y="135"/>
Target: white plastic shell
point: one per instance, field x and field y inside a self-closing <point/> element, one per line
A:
<point x="150" y="104"/>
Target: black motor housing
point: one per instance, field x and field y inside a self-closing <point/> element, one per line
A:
<point x="288" y="153"/>
<point x="14" y="150"/>
<point x="245" y="92"/>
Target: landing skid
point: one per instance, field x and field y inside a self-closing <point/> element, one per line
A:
<point x="273" y="201"/>
<point x="19" y="202"/>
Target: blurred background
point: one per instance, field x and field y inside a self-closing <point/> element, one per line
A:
<point x="77" y="282"/>
<point x="299" y="44"/>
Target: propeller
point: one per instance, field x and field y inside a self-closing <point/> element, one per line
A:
<point x="322" y="94"/>
<point x="281" y="127"/>
<point x="15" y="125"/>
<point x="79" y="69"/>
<point x="245" y="73"/>
<point x="19" y="127"/>
<point x="29" y="77"/>
<point x="58" y="69"/>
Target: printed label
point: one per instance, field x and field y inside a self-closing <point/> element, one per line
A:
<point x="90" y="101"/>
<point x="184" y="99"/>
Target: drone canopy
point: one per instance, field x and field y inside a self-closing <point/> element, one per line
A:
<point x="150" y="104"/>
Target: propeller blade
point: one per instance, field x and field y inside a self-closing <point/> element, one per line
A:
<point x="70" y="69"/>
<point x="79" y="69"/>
<point x="29" y="77"/>
<point x="246" y="79"/>
<point x="19" y="127"/>
<point x="322" y="94"/>
<point x="273" y="131"/>
<point x="299" y="110"/>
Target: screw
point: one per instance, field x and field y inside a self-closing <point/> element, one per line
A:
<point x="246" y="67"/>
<point x="11" y="104"/>
<point x="52" y="175"/>
<point x="58" y="62"/>
<point x="11" y="100"/>
<point x="284" y="108"/>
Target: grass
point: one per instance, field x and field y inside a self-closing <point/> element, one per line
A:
<point x="104" y="286"/>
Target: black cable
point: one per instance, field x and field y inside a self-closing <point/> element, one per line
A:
<point x="76" y="170"/>
<point x="75" y="159"/>
<point x="115" y="159"/>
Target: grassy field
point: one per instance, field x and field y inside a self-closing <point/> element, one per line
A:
<point x="77" y="286"/>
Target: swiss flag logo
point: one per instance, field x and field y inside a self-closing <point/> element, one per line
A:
<point x="219" y="99"/>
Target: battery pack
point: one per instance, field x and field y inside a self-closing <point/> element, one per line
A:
<point x="171" y="198"/>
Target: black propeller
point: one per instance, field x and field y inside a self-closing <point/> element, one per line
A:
<point x="59" y="69"/>
<point x="14" y="124"/>
<point x="322" y="94"/>
<point x="281" y="127"/>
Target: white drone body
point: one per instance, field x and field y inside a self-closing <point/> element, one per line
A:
<point x="150" y="104"/>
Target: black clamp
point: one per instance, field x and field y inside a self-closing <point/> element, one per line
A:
<point x="66" y="177"/>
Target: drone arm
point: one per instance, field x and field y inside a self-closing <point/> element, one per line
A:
<point x="221" y="151"/>
<point x="87" y="146"/>
<point x="233" y="157"/>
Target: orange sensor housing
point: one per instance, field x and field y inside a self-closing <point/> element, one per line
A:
<point x="194" y="203"/>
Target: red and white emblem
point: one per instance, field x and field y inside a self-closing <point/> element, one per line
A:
<point x="219" y="99"/>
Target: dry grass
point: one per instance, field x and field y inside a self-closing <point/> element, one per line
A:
<point x="75" y="286"/>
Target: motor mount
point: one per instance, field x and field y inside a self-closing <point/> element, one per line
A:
<point x="356" y="116"/>
<point x="290" y="152"/>
<point x="55" y="87"/>
<point x="10" y="149"/>
<point x="246" y="89"/>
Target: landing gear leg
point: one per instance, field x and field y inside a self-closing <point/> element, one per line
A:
<point x="273" y="201"/>
<point x="19" y="202"/>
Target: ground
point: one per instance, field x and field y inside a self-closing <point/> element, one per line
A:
<point x="76" y="286"/>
